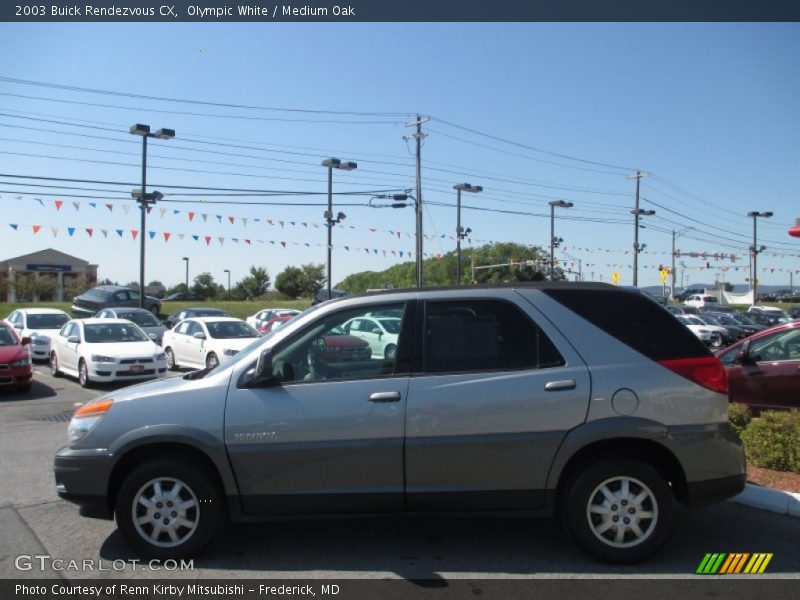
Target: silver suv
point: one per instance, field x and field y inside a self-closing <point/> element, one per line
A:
<point x="582" y="400"/>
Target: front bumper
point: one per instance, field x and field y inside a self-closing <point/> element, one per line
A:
<point x="16" y="376"/>
<point x="108" y="372"/>
<point x="82" y="477"/>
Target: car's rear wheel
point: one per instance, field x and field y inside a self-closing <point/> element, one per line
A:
<point x="54" y="370"/>
<point x="619" y="510"/>
<point x="390" y="352"/>
<point x="168" y="509"/>
<point x="212" y="361"/>
<point x="83" y="374"/>
<point x="170" y="359"/>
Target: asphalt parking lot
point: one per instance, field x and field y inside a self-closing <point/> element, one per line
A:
<point x="33" y="520"/>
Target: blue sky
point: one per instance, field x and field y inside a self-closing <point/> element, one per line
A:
<point x="711" y="110"/>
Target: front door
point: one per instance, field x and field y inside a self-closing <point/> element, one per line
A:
<point x="328" y="437"/>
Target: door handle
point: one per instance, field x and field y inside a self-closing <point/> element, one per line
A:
<point x="385" y="397"/>
<point x="557" y="386"/>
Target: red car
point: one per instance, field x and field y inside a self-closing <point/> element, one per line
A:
<point x="764" y="369"/>
<point x="274" y="323"/>
<point x="15" y="360"/>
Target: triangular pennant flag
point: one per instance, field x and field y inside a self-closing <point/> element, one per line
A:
<point x="125" y="208"/>
<point x="36" y="228"/>
<point x="40" y="201"/>
<point x="77" y="205"/>
<point x="152" y="234"/>
<point x="166" y="236"/>
<point x="149" y="209"/>
<point x="110" y="207"/>
<point x="162" y="212"/>
<point x="58" y="204"/>
<point x="191" y="215"/>
<point x="244" y="220"/>
<point x="90" y="231"/>
<point x="175" y="211"/>
<point x="235" y="240"/>
<point x="270" y="221"/>
<point x="292" y="223"/>
<point x="231" y="219"/>
<point x="305" y="224"/>
<point x="70" y="231"/>
<point x="205" y="217"/>
<point x="93" y="204"/>
<point x="347" y="248"/>
<point x="104" y="232"/>
<point x="281" y="222"/>
<point x="134" y="233"/>
<point x="181" y="236"/>
<point x="283" y="244"/>
<point x="119" y="232"/>
<point x="247" y="241"/>
<point x="221" y="240"/>
<point x="219" y="218"/>
<point x="208" y="239"/>
<point x="195" y="237"/>
<point x="54" y="230"/>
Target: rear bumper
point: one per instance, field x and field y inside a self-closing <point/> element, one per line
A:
<point x="79" y="312"/>
<point x="82" y="478"/>
<point x="703" y="493"/>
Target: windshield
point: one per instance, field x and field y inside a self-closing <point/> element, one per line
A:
<point x="743" y="319"/>
<point x="7" y="338"/>
<point x="113" y="333"/>
<point x="207" y="313"/>
<point x="95" y="294"/>
<point x="227" y="330"/>
<point x="48" y="321"/>
<point x="710" y="320"/>
<point x="142" y="319"/>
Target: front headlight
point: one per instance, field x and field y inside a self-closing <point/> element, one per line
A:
<point x="102" y="359"/>
<point x="87" y="417"/>
<point x="23" y="362"/>
<point x="161" y="356"/>
<point x="230" y="352"/>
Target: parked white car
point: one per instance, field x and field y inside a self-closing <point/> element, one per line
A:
<point x="105" y="350"/>
<point x="701" y="300"/>
<point x="380" y="333"/>
<point x="263" y="316"/>
<point x="703" y="333"/>
<point x="206" y="341"/>
<point x="697" y="321"/>
<point x="39" y="324"/>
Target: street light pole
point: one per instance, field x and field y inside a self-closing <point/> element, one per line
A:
<point x="756" y="251"/>
<point x="186" y="258"/>
<point x="553" y="204"/>
<point x="228" y="271"/>
<point x="144" y="198"/>
<point x="331" y="164"/>
<point x="460" y="232"/>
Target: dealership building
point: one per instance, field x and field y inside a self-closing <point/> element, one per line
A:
<point x="44" y="276"/>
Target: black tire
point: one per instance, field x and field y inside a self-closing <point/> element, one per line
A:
<point x="170" y="359"/>
<point x="54" y="370"/>
<point x="83" y="374"/>
<point x="390" y="352"/>
<point x="155" y="309"/>
<point x="586" y="528"/>
<point x="211" y="360"/>
<point x="197" y="488"/>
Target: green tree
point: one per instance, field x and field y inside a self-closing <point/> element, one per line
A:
<point x="314" y="278"/>
<point x="253" y="286"/>
<point x="75" y="286"/>
<point x="290" y="282"/>
<point x="205" y="286"/>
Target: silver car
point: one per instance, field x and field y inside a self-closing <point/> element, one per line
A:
<point x="581" y="399"/>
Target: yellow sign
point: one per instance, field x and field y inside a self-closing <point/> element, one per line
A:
<point x="664" y="273"/>
<point x="615" y="278"/>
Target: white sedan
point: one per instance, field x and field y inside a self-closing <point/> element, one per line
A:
<point x="105" y="350"/>
<point x="39" y="324"/>
<point x="263" y="316"/>
<point x="380" y="333"/>
<point x="204" y="342"/>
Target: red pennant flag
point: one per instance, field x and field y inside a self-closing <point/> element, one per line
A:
<point x="90" y="231"/>
<point x="36" y="228"/>
<point x="247" y="241"/>
<point x="166" y="236"/>
<point x="110" y="207"/>
<point x="58" y="204"/>
<point x="231" y="219"/>
<point x="149" y="208"/>
<point x="208" y="240"/>
<point x="191" y="215"/>
<point x="134" y="233"/>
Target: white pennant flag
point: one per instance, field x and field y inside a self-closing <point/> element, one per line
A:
<point x="126" y="208"/>
<point x="54" y="230"/>
<point x="181" y="236"/>
<point x="77" y="205"/>
<point x="244" y="220"/>
<point x="104" y="232"/>
<point x="162" y="211"/>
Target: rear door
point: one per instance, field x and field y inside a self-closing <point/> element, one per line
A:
<point x="497" y="391"/>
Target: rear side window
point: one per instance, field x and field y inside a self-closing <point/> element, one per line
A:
<point x="634" y="320"/>
<point x="484" y="335"/>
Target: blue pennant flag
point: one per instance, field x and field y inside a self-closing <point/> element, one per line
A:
<point x="152" y="234"/>
<point x="119" y="232"/>
<point x="70" y="230"/>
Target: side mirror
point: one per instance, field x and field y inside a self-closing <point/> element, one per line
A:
<point x="17" y="325"/>
<point x="199" y="335"/>
<point x="74" y="339"/>
<point x="152" y="336"/>
<point x="262" y="375"/>
<point x="25" y="341"/>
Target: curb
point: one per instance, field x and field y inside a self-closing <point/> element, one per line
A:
<point x="764" y="498"/>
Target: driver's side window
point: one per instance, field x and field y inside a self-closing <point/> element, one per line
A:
<point x="330" y="349"/>
<point x="772" y="347"/>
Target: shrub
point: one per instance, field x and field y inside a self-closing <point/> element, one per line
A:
<point x="739" y="416"/>
<point x="773" y="441"/>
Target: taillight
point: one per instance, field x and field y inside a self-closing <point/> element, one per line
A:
<point x="706" y="371"/>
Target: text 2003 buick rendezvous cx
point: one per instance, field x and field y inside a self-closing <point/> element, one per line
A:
<point x="577" y="399"/>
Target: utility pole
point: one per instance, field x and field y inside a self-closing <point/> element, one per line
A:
<point x="756" y="249"/>
<point x="637" y="212"/>
<point x="672" y="291"/>
<point x="418" y="136"/>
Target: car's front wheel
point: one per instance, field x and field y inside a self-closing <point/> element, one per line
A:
<point x="83" y="374"/>
<point x="170" y="359"/>
<point x="619" y="510"/>
<point x="168" y="509"/>
<point x="54" y="370"/>
<point x="212" y="361"/>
